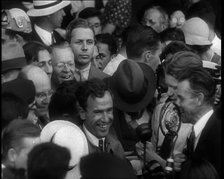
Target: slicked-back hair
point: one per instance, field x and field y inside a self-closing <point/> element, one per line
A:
<point x="32" y="49"/>
<point x="94" y="88"/>
<point x="74" y="24"/>
<point x="89" y="12"/>
<point x="141" y="38"/>
<point x="182" y="61"/>
<point x="172" y="34"/>
<point x="200" y="82"/>
<point x="15" y="132"/>
<point x="109" y="40"/>
<point x="48" y="161"/>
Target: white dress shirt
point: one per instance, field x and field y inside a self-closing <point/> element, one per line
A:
<point x="113" y="64"/>
<point x="45" y="35"/>
<point x="91" y="138"/>
<point x="84" y="72"/>
<point x="200" y="124"/>
<point x="216" y="45"/>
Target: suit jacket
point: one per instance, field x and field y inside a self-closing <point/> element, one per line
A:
<point x="96" y="73"/>
<point x="36" y="37"/>
<point x="209" y="144"/>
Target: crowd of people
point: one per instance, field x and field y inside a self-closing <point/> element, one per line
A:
<point x="111" y="89"/>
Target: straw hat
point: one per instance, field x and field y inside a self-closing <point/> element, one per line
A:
<point x="44" y="8"/>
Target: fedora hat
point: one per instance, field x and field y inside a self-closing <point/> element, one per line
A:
<point x="13" y="56"/>
<point x="44" y="8"/>
<point x="133" y="86"/>
<point x="67" y="134"/>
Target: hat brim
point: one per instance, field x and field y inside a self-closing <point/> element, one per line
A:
<point x="47" y="11"/>
<point x="119" y="103"/>
<point x="196" y="40"/>
<point x="16" y="63"/>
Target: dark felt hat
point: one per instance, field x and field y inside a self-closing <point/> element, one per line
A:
<point x="22" y="88"/>
<point x="133" y="86"/>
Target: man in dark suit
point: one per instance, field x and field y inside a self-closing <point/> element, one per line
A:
<point x="195" y="96"/>
<point x="82" y="41"/>
<point x="96" y="111"/>
<point x="48" y="17"/>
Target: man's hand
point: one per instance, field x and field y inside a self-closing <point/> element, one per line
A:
<point x="178" y="160"/>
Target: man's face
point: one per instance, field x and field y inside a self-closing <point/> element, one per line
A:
<point x="104" y="55"/>
<point x="95" y="24"/>
<point x="21" y="155"/>
<point x="152" y="19"/>
<point x="43" y="95"/>
<point x="63" y="64"/>
<point x="82" y="43"/>
<point x="45" y="62"/>
<point x="187" y="102"/>
<point x="57" y="18"/>
<point x="99" y="115"/>
<point x="172" y="86"/>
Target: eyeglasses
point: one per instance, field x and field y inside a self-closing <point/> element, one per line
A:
<point x="61" y="65"/>
<point x="44" y="95"/>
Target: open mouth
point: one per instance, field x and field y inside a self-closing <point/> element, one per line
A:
<point x="67" y="77"/>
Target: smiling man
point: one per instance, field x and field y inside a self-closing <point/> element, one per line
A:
<point x="63" y="64"/>
<point x="82" y="41"/>
<point x="96" y="111"/>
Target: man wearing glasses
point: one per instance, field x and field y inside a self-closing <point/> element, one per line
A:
<point x="63" y="64"/>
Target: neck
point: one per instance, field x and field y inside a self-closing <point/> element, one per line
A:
<point x="45" y="24"/>
<point x="201" y="112"/>
<point x="81" y="67"/>
<point x="122" y="51"/>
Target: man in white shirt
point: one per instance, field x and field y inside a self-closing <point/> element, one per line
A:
<point x="195" y="96"/>
<point x="48" y="17"/>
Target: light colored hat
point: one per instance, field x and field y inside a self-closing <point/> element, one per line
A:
<point x="13" y="56"/>
<point x="44" y="8"/>
<point x="67" y="134"/>
<point x="17" y="20"/>
<point x="196" y="32"/>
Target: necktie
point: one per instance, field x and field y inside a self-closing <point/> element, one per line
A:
<point x="167" y="145"/>
<point x="81" y="77"/>
<point x="101" y="145"/>
<point x="190" y="144"/>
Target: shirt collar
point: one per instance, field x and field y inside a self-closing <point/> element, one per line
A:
<point x="200" y="124"/>
<point x="93" y="139"/>
<point x="44" y="35"/>
<point x="85" y="71"/>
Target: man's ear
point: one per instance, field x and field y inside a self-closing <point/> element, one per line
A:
<point x="200" y="98"/>
<point x="147" y="56"/>
<point x="12" y="155"/>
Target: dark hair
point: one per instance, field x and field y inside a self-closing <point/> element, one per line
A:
<point x="141" y="38"/>
<point x="32" y="49"/>
<point x="12" y="107"/>
<point x="48" y="161"/>
<point x="105" y="165"/>
<point x="74" y="24"/>
<point x="198" y="168"/>
<point x="172" y="48"/>
<point x="94" y="88"/>
<point x="15" y="132"/>
<point x="11" y="33"/>
<point x="200" y="82"/>
<point x="89" y="12"/>
<point x="200" y="49"/>
<point x="181" y="61"/>
<point x="64" y="101"/>
<point x="109" y="40"/>
<point x="172" y="34"/>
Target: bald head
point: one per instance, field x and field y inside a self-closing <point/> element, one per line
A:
<point x="37" y="75"/>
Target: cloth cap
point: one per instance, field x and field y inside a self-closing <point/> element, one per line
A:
<point x="133" y="86"/>
<point x="16" y="20"/>
<point x="13" y="56"/>
<point x="196" y="32"/>
<point x="44" y="8"/>
<point x="22" y="88"/>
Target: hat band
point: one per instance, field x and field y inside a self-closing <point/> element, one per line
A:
<point x="48" y="5"/>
